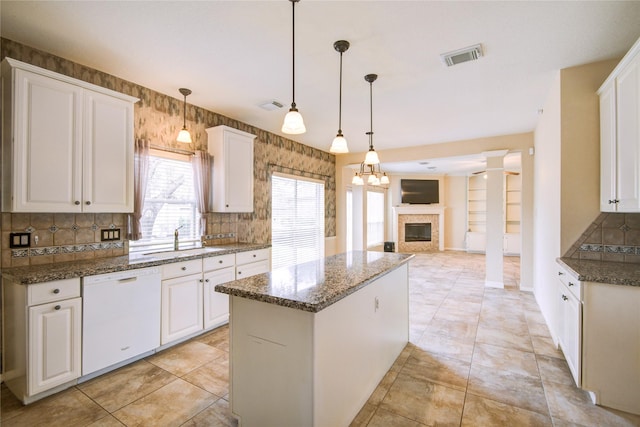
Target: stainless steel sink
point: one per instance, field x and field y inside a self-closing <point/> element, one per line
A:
<point x="181" y="252"/>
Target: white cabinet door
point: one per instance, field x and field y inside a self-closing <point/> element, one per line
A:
<point x="67" y="146"/>
<point x="608" y="149"/>
<point x="511" y="244"/>
<point x="47" y="145"/>
<point x="232" y="151"/>
<point x="216" y="304"/>
<point x="570" y="330"/>
<point x="54" y="344"/>
<point x="628" y="137"/>
<point x="108" y="154"/>
<point x="181" y="307"/>
<point x="476" y="242"/>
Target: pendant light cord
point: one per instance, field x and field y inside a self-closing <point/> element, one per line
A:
<point x="340" y="100"/>
<point x="293" y="49"/>
<point x="370" y="133"/>
<point x="184" y="112"/>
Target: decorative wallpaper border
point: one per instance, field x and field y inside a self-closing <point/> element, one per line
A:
<point x="67" y="249"/>
<point x="611" y="249"/>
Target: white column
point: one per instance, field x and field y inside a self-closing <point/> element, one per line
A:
<point x="495" y="218"/>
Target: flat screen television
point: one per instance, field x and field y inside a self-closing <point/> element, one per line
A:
<point x="419" y="191"/>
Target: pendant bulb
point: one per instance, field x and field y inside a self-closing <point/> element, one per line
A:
<point x="339" y="144"/>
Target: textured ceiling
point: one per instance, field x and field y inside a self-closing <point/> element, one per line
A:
<point x="236" y="55"/>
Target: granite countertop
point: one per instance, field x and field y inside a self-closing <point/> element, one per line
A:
<point x="69" y="270"/>
<point x="615" y="273"/>
<point x="315" y="285"/>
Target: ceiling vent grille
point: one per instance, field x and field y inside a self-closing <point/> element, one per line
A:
<point x="459" y="56"/>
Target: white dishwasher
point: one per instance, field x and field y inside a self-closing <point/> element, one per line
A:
<point x="121" y="317"/>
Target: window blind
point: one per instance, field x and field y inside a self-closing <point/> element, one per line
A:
<point x="297" y="220"/>
<point x="375" y="218"/>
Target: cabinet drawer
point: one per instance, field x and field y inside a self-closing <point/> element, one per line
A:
<point x="571" y="282"/>
<point x="184" y="268"/>
<point x="57" y="290"/>
<point x="252" y="256"/>
<point x="218" y="262"/>
<point x="252" y="269"/>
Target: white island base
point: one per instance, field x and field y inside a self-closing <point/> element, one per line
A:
<point x="294" y="368"/>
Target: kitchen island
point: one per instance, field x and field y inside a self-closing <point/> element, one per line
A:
<point x="310" y="343"/>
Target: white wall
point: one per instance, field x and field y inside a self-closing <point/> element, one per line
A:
<point x="546" y="202"/>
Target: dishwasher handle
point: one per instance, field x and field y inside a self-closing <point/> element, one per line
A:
<point x="128" y="279"/>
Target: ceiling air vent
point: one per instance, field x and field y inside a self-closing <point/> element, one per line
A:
<point x="271" y="105"/>
<point x="459" y="56"/>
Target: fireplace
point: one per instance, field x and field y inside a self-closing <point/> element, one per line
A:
<point x="417" y="232"/>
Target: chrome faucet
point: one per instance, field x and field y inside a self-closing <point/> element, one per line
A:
<point x="176" y="244"/>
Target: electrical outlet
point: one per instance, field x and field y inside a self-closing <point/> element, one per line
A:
<point x="19" y="240"/>
<point x="109" y="234"/>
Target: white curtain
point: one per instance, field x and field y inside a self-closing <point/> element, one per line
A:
<point x="202" y="184"/>
<point x="140" y="170"/>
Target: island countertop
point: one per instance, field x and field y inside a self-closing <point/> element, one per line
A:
<point x="315" y="285"/>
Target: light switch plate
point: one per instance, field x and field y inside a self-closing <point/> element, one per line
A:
<point x="109" y="234"/>
<point x="19" y="240"/>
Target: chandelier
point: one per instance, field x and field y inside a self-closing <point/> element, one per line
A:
<point x="370" y="167"/>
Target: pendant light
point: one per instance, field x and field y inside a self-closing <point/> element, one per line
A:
<point x="339" y="144"/>
<point x="293" y="123"/>
<point x="184" y="135"/>
<point x="371" y="165"/>
<point x="372" y="157"/>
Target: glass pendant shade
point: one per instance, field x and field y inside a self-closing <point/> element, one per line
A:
<point x="357" y="180"/>
<point x="293" y="123"/>
<point x="371" y="158"/>
<point x="339" y="145"/>
<point x="384" y="179"/>
<point x="372" y="179"/>
<point x="184" y="136"/>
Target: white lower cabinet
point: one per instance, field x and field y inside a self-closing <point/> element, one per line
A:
<point x="42" y="337"/>
<point x="216" y="304"/>
<point x="54" y="344"/>
<point x="250" y="263"/>
<point x="569" y="329"/>
<point x="598" y="329"/>
<point x="182" y="303"/>
<point x="181" y="307"/>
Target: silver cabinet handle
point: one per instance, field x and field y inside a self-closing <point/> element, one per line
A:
<point x="560" y="273"/>
<point x="56" y="291"/>
<point x="87" y="203"/>
<point x="220" y="262"/>
<point x="77" y="202"/>
<point x="206" y="280"/>
<point x="183" y="268"/>
<point x="564" y="297"/>
<point x="57" y="307"/>
<point x="571" y="284"/>
<point x="200" y="280"/>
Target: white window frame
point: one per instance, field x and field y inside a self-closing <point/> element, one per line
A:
<point x="167" y="243"/>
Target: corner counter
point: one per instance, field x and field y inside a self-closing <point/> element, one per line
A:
<point x="310" y="343"/>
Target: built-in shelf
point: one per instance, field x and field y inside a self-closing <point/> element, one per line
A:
<point x="477" y="212"/>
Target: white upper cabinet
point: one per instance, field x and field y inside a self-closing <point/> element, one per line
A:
<point x="232" y="176"/>
<point x="68" y="146"/>
<point x="620" y="136"/>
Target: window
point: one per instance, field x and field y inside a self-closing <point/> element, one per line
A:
<point x="297" y="220"/>
<point x="375" y="218"/>
<point x="349" y="218"/>
<point x="169" y="202"/>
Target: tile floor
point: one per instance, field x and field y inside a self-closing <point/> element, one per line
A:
<point x="476" y="357"/>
